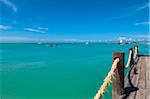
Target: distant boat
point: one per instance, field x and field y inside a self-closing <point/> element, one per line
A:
<point x="121" y="41"/>
<point x="39" y="43"/>
<point x="52" y="45"/>
<point x="86" y="43"/>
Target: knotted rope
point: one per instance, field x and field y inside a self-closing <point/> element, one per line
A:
<point x="107" y="80"/>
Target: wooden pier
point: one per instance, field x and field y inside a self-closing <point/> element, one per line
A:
<point x="136" y="83"/>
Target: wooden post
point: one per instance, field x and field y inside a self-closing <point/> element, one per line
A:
<point x="132" y="60"/>
<point x="118" y="79"/>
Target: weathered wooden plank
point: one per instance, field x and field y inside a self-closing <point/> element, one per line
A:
<point x="131" y="82"/>
<point x="138" y="86"/>
<point x="147" y="77"/>
<point x="141" y="83"/>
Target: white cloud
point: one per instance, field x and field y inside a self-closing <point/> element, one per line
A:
<point x="138" y="37"/>
<point x="37" y="29"/>
<point x="142" y="36"/>
<point x="131" y="11"/>
<point x="142" y="23"/>
<point x="41" y="28"/>
<point x="134" y="37"/>
<point x="122" y="38"/>
<point x="130" y="39"/>
<point x="34" y="30"/>
<point x="4" y="27"/>
<point x="17" y="39"/>
<point x="9" y="4"/>
<point x="143" y="6"/>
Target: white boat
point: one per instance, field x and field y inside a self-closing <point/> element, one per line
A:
<point x="121" y="41"/>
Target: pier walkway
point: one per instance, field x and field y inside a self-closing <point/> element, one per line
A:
<point x="137" y="83"/>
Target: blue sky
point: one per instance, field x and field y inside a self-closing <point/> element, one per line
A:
<point x="71" y="20"/>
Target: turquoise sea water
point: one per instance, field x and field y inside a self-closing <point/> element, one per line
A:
<point x="66" y="71"/>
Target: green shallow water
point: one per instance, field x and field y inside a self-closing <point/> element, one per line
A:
<point x="67" y="71"/>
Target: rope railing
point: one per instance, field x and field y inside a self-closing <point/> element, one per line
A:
<point x="109" y="76"/>
<point x="107" y="80"/>
<point x="129" y="58"/>
<point x="136" y="53"/>
<point x="132" y="59"/>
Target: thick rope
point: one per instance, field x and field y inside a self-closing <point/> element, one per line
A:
<point x="136" y="53"/>
<point x="107" y="80"/>
<point x="129" y="59"/>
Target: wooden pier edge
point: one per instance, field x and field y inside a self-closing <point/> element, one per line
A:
<point x="136" y="84"/>
<point x="118" y="79"/>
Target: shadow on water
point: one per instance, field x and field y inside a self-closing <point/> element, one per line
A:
<point x="131" y="88"/>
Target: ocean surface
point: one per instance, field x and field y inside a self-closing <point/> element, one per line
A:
<point x="65" y="71"/>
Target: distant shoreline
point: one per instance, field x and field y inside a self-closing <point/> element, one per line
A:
<point x="115" y="42"/>
<point x="148" y="42"/>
